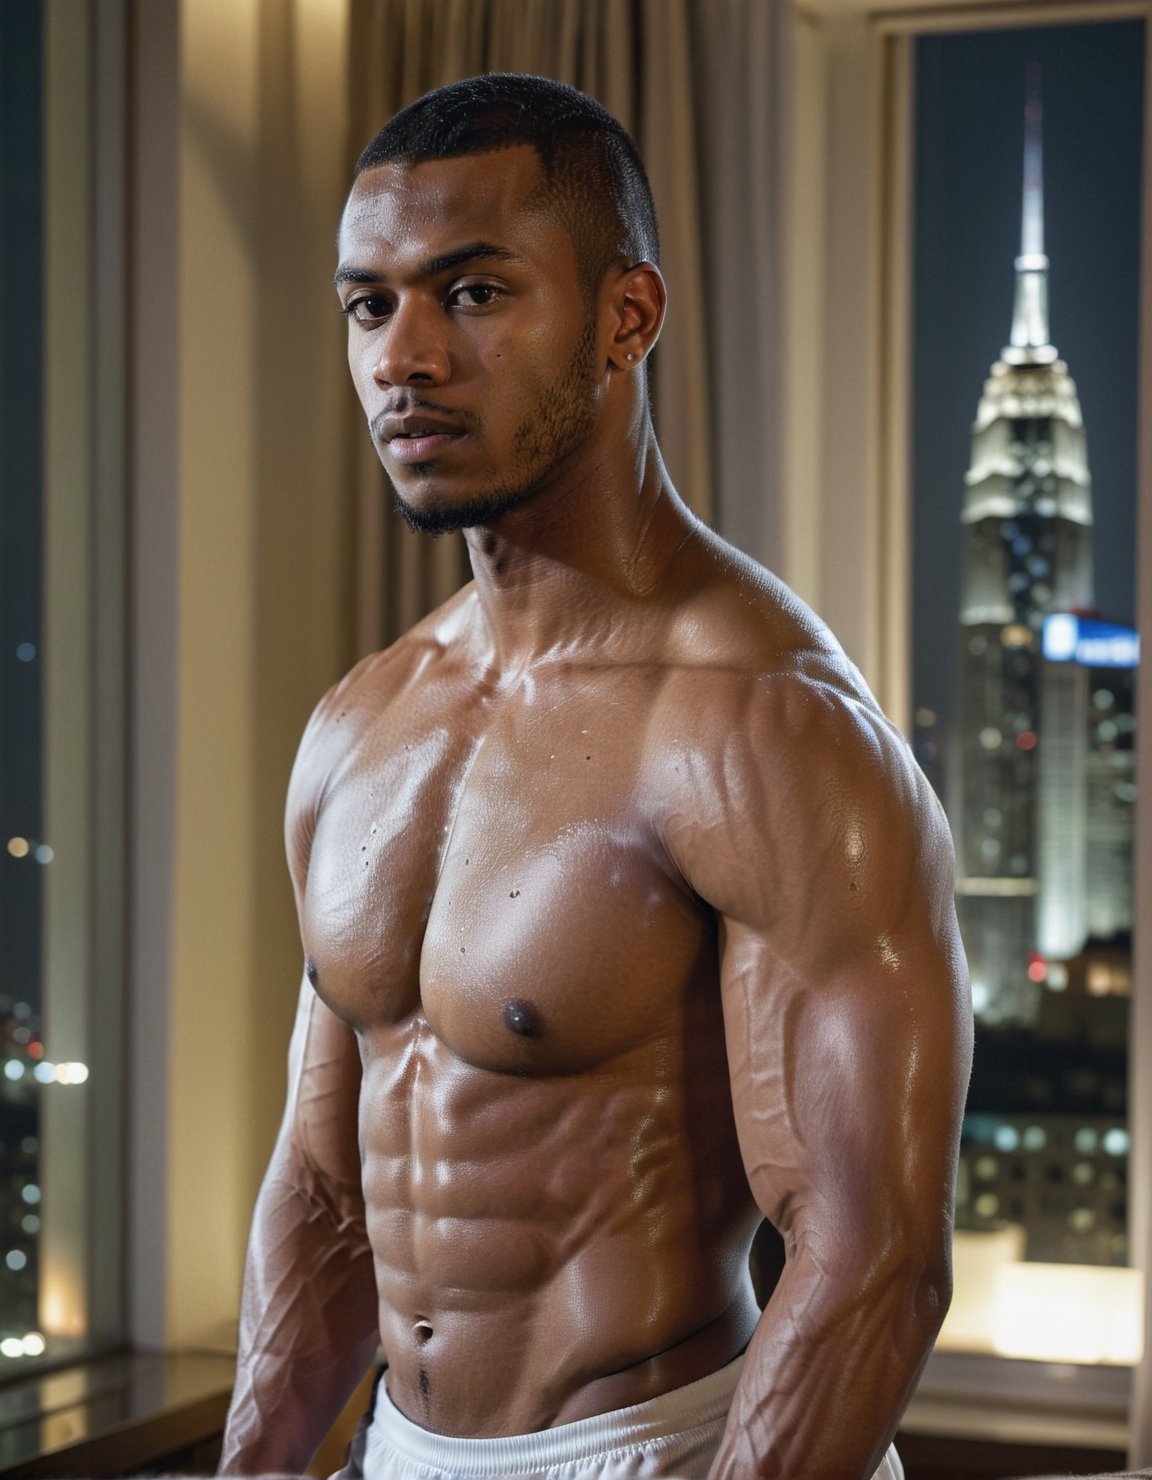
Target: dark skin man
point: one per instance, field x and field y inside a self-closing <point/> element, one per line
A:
<point x="627" y="920"/>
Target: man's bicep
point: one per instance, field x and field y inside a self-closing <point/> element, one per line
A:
<point x="321" y="1122"/>
<point x="848" y="1088"/>
<point x="845" y="994"/>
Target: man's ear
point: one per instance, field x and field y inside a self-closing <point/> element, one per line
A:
<point x="636" y="298"/>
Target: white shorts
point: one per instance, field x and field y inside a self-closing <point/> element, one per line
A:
<point x="675" y="1435"/>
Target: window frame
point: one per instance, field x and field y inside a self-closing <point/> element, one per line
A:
<point x="847" y="489"/>
<point x="81" y="1168"/>
<point x="85" y="475"/>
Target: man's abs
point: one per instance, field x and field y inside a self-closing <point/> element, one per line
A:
<point x="550" y="1248"/>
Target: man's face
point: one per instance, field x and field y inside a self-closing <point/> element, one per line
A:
<point x="470" y="339"/>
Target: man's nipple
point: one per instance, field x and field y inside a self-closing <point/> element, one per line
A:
<point x="310" y="971"/>
<point x="522" y="1018"/>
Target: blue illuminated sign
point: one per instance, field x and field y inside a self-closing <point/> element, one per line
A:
<point x="1094" y="644"/>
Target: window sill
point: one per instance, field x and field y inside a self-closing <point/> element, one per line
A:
<point x="1026" y="1405"/>
<point x="112" y="1416"/>
<point x="140" y="1413"/>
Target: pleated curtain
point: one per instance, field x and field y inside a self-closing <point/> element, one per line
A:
<point x="693" y="84"/>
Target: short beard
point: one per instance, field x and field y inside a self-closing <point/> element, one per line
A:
<point x="545" y="438"/>
<point x="437" y="519"/>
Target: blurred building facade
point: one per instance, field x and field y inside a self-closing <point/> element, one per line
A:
<point x="1039" y="784"/>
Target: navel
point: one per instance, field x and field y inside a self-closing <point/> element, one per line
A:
<point x="521" y="1017"/>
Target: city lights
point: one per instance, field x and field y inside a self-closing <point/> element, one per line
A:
<point x="25" y="847"/>
<point x="45" y="1072"/>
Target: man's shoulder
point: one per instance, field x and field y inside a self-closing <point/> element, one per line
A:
<point x="376" y="681"/>
<point x="774" y="737"/>
<point x="778" y="730"/>
<point x="745" y="651"/>
<point x="354" y="706"/>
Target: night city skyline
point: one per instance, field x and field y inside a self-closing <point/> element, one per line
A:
<point x="1024" y="479"/>
<point x="969" y="142"/>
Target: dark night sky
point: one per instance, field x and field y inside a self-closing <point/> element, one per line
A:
<point x="969" y="142"/>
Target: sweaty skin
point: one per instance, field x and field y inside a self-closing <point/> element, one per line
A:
<point x="627" y="920"/>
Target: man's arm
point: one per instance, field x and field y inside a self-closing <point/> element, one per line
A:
<point x="308" y="1324"/>
<point x="309" y="1314"/>
<point x="849" y="1037"/>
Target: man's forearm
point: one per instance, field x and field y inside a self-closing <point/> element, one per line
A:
<point x="277" y="1420"/>
<point x="308" y="1328"/>
<point x="828" y="1373"/>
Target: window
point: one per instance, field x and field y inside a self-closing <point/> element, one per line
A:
<point x="1024" y="417"/>
<point x="61" y="677"/>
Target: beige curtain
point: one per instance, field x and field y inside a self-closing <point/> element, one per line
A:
<point x="691" y="81"/>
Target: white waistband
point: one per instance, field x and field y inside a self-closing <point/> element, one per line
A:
<point x="702" y="1402"/>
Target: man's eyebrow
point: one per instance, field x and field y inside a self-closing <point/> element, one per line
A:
<point x="354" y="275"/>
<point x="434" y="266"/>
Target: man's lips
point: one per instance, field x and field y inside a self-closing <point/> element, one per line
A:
<point x="412" y="449"/>
<point x="414" y="438"/>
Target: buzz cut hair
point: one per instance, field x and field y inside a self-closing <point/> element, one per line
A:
<point x="594" y="181"/>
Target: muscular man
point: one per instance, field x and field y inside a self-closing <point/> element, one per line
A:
<point x="627" y="917"/>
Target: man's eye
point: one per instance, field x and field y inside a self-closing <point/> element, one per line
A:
<point x="367" y="308"/>
<point x="475" y="295"/>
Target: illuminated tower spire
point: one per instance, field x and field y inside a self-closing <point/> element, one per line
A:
<point x="1030" y="335"/>
<point x="1018" y="811"/>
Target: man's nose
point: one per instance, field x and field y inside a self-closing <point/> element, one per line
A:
<point x="412" y="347"/>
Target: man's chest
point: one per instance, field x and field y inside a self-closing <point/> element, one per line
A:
<point x="500" y="869"/>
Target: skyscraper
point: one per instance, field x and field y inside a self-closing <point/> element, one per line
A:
<point x="1027" y="519"/>
<point x="1037" y="772"/>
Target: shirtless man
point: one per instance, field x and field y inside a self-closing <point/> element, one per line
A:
<point x="627" y="917"/>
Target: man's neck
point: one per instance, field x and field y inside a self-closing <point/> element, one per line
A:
<point x="571" y="568"/>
